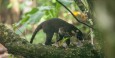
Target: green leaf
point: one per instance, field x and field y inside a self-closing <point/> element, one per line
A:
<point x="34" y="10"/>
<point x="9" y="5"/>
<point x="57" y="8"/>
<point x="35" y="17"/>
<point x="24" y="20"/>
<point x="43" y="8"/>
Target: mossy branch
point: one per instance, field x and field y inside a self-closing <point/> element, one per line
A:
<point x="19" y="46"/>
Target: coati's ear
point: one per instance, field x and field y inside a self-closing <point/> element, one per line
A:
<point x="72" y="32"/>
<point x="77" y="30"/>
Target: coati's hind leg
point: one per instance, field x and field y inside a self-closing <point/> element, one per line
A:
<point x="49" y="36"/>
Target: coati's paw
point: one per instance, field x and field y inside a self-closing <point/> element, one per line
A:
<point x="79" y="44"/>
<point x="64" y="45"/>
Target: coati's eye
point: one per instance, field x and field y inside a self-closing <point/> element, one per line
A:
<point x="80" y="36"/>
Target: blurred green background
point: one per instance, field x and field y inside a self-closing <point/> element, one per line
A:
<point x="23" y="16"/>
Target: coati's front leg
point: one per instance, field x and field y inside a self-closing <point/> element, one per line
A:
<point x="49" y="36"/>
<point x="68" y="41"/>
<point x="60" y="37"/>
<point x="63" y="41"/>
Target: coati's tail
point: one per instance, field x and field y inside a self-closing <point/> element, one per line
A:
<point x="35" y="32"/>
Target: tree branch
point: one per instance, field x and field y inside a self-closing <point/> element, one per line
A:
<point x="22" y="47"/>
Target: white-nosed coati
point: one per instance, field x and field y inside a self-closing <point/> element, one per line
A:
<point x="52" y="26"/>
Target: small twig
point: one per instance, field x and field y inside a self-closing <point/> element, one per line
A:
<point x="74" y="15"/>
<point x="22" y="33"/>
